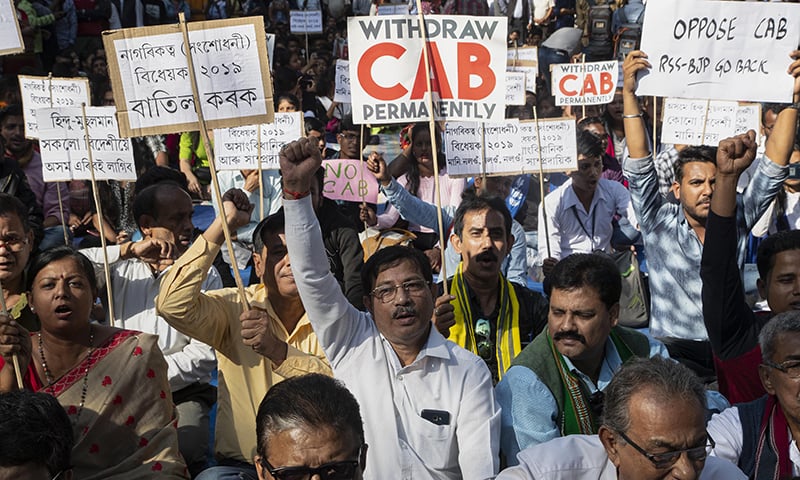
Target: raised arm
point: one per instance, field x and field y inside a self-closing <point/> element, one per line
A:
<point x="635" y="132"/>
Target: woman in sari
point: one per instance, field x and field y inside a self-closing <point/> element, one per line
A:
<point x="111" y="382"/>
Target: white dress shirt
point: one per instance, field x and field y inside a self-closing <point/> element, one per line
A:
<point x="444" y="376"/>
<point x="571" y="229"/>
<point x="583" y="457"/>
<point x="135" y="288"/>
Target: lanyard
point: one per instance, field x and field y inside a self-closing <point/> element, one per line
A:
<point x="583" y="227"/>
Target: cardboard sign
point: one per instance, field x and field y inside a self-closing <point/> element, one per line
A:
<point x="349" y="180"/>
<point x="523" y="56"/>
<point x="342" y="89"/>
<point x="559" y="152"/>
<point x="702" y="122"/>
<point x="467" y="58"/>
<point x="719" y="49"/>
<point x="46" y="92"/>
<point x="591" y="83"/>
<point x="62" y="139"/>
<point x="515" y="88"/>
<point x="389" y="9"/>
<point x="502" y="148"/>
<point x="150" y="76"/>
<point x="305" y="21"/>
<point x="236" y="148"/>
<point x="10" y="34"/>
<point x="531" y="73"/>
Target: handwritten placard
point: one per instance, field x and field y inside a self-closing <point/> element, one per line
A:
<point x="150" y="75"/>
<point x="236" y="148"/>
<point x="305" y="21"/>
<point x="531" y="73"/>
<point x="591" y="83"/>
<point x="503" y="148"/>
<point x="348" y="180"/>
<point x="342" y="89"/>
<point x="702" y="122"/>
<point x="462" y="146"/>
<point x="10" y="34"/>
<point x="46" y="92"/>
<point x="515" y="88"/>
<point x="719" y="49"/>
<point x="62" y="139"/>
<point x="559" y="152"/>
<point x="527" y="56"/>
<point x="389" y="9"/>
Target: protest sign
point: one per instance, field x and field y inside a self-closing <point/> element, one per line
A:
<point x="467" y="56"/>
<point x="462" y="147"/>
<point x="559" y="152"/>
<point x="341" y="93"/>
<point x="62" y="140"/>
<point x="10" y="34"/>
<point x="719" y="49"/>
<point x="703" y="122"/>
<point x="515" y="88"/>
<point x="236" y="148"/>
<point x="47" y="92"/>
<point x="347" y="180"/>
<point x="150" y="76"/>
<point x="305" y="21"/>
<point x="389" y="9"/>
<point x="502" y="148"/>
<point x="591" y="83"/>
<point x="531" y="73"/>
<point x="528" y="56"/>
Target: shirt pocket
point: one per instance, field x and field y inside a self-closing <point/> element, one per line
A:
<point x="433" y="444"/>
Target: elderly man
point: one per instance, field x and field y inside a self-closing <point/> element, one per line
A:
<point x="310" y="425"/>
<point x="428" y="404"/>
<point x="256" y="346"/>
<point x="554" y="387"/>
<point x="653" y="428"/>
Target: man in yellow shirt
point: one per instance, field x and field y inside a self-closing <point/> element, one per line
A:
<point x="256" y="347"/>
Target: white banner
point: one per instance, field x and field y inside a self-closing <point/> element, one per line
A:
<point x="515" y="88"/>
<point x="46" y="92"/>
<point x="702" y="122"/>
<point x="305" y="21"/>
<point x="467" y="59"/>
<point x="559" y="152"/>
<point x="720" y="49"/>
<point x="591" y="83"/>
<point x="62" y="140"/>
<point x="236" y="148"/>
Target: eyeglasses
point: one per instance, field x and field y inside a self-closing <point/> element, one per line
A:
<point x="790" y="367"/>
<point x="13" y="243"/>
<point x="387" y="293"/>
<point x="667" y="459"/>
<point x="350" y="137"/>
<point x="345" y="470"/>
<point x="483" y="339"/>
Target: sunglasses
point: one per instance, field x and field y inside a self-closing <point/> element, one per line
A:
<point x="483" y="339"/>
<point x="667" y="459"/>
<point x="344" y="470"/>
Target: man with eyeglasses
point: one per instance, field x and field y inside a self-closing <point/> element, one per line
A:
<point x="428" y="404"/>
<point x="310" y="425"/>
<point x="653" y="428"/>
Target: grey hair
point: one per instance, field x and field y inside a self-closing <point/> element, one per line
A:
<point x="663" y="378"/>
<point x="781" y="323"/>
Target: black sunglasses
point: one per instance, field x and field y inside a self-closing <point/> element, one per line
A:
<point x="667" y="459"/>
<point x="344" y="470"/>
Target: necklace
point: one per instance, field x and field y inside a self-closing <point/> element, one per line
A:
<point x="51" y="381"/>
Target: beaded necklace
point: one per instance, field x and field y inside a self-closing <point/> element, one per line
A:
<point x="51" y="381"/>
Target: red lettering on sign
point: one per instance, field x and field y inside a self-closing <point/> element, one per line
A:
<point x="365" y="64"/>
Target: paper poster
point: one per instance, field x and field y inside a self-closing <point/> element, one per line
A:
<point x="236" y="148"/>
<point x="515" y="88"/>
<point x="349" y="180"/>
<point x="389" y="9"/>
<point x="65" y="156"/>
<point x="10" y="34"/>
<point x="703" y="122"/>
<point x="152" y="88"/>
<point x="558" y="145"/>
<point x="462" y="146"/>
<point x="502" y="148"/>
<point x="531" y="73"/>
<point x="305" y="21"/>
<point x="387" y="73"/>
<point x="718" y="49"/>
<point x="342" y="87"/>
<point x="47" y="92"/>
<point x="591" y="83"/>
<point x="523" y="56"/>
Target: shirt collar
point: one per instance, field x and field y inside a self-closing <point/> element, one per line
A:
<point x="570" y="198"/>
<point x="611" y="363"/>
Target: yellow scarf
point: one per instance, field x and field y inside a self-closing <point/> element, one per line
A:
<point x="507" y="339"/>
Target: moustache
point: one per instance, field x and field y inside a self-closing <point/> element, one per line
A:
<point x="404" y="311"/>
<point x="569" y="335"/>
<point x="487" y="255"/>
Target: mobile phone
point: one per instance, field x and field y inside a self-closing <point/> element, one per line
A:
<point x="794" y="171"/>
<point x="436" y="417"/>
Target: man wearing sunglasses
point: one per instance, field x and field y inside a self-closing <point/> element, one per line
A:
<point x="428" y="404"/>
<point x="653" y="428"/>
<point x="310" y="425"/>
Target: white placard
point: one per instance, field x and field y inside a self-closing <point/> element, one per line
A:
<point x="152" y="88"/>
<point x="523" y="56"/>
<point x="305" y="21"/>
<point x="236" y="148"/>
<point x="63" y="145"/>
<point x="389" y="9"/>
<point x="531" y="73"/>
<point x="467" y="56"/>
<point x="342" y="89"/>
<point x="515" y="88"/>
<point x="10" y="34"/>
<point x="719" y="49"/>
<point x="503" y="148"/>
<point x="591" y="83"/>
<point x="462" y="146"/>
<point x="559" y="151"/>
<point x="702" y="122"/>
<point x="36" y="94"/>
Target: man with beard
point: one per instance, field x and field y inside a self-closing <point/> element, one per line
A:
<point x="674" y="234"/>
<point x="258" y="344"/>
<point x="164" y="214"/>
<point x="554" y="387"/>
<point x="486" y="313"/>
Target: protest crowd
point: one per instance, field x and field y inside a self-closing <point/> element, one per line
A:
<point x="629" y="313"/>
